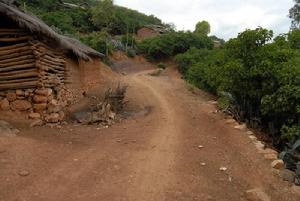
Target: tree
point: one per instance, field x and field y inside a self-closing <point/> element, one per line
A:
<point x="202" y="28"/>
<point x="295" y="15"/>
<point x="103" y="13"/>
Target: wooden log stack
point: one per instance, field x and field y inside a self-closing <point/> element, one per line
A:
<point x="51" y="65"/>
<point x="27" y="63"/>
<point x="17" y="62"/>
<point x="28" y="69"/>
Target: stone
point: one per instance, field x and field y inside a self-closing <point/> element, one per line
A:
<point x="288" y="175"/>
<point x="268" y="151"/>
<point x="256" y="195"/>
<point x="40" y="99"/>
<point x="241" y="127"/>
<point x="34" y="115"/>
<point x="24" y="173"/>
<point x="4" y="104"/>
<point x="249" y="133"/>
<point x="230" y="121"/>
<point x="20" y="92"/>
<point x="54" y="108"/>
<point x="271" y="156"/>
<point x="259" y="145"/>
<point x="277" y="164"/>
<point x="252" y="137"/>
<point x="52" y="118"/>
<point x="20" y="105"/>
<point x="7" y="130"/>
<point x="213" y="102"/>
<point x="40" y="107"/>
<point x="61" y="115"/>
<point x="44" y="92"/>
<point x="223" y="169"/>
<point x="11" y="96"/>
<point x="37" y="123"/>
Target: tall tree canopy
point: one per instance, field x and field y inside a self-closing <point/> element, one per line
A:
<point x="202" y="28"/>
<point x="295" y="15"/>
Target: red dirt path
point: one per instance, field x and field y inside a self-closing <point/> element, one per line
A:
<point x="152" y="157"/>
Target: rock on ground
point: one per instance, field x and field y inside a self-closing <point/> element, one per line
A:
<point x="277" y="164"/>
<point x="257" y="195"/>
<point x="6" y="129"/>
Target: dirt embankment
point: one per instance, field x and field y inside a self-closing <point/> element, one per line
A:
<point x="153" y="155"/>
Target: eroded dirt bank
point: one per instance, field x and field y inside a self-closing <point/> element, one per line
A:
<point x="152" y="156"/>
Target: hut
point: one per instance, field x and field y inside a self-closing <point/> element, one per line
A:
<point x="41" y="71"/>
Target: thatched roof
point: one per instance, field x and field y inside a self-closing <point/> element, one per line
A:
<point x="36" y="26"/>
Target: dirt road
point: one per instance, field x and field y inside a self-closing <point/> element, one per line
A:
<point x="151" y="156"/>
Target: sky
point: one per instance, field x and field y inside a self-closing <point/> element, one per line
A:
<point x="226" y="17"/>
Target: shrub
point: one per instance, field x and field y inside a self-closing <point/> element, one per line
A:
<point x="161" y="66"/>
<point x="173" y="43"/>
<point x="131" y="53"/>
<point x="260" y="75"/>
<point x="98" y="40"/>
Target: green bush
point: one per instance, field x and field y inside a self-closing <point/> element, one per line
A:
<point x="161" y="66"/>
<point x="260" y="74"/>
<point x="98" y="41"/>
<point x="173" y="43"/>
<point x="131" y="52"/>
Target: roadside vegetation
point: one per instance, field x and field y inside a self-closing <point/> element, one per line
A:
<point x="255" y="75"/>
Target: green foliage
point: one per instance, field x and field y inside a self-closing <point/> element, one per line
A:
<point x="128" y="40"/>
<point x="88" y="16"/>
<point x="294" y="39"/>
<point x="259" y="73"/>
<point x="170" y="44"/>
<point x="161" y="66"/>
<point x="98" y="41"/>
<point x="295" y="15"/>
<point x="202" y="28"/>
<point x="291" y="133"/>
<point x="131" y="52"/>
<point x="103" y="13"/>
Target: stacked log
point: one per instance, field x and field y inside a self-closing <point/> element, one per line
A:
<point x="51" y="65"/>
<point x="31" y="76"/>
<point x="17" y="66"/>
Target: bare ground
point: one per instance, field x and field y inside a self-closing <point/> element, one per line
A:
<point x="151" y="156"/>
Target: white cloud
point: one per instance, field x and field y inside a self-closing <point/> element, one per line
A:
<point x="227" y="17"/>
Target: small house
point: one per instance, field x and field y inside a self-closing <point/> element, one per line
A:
<point x="41" y="71"/>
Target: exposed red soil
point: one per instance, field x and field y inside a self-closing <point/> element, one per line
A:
<point x="148" y="157"/>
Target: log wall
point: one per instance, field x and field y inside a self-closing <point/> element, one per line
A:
<point x="32" y="76"/>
